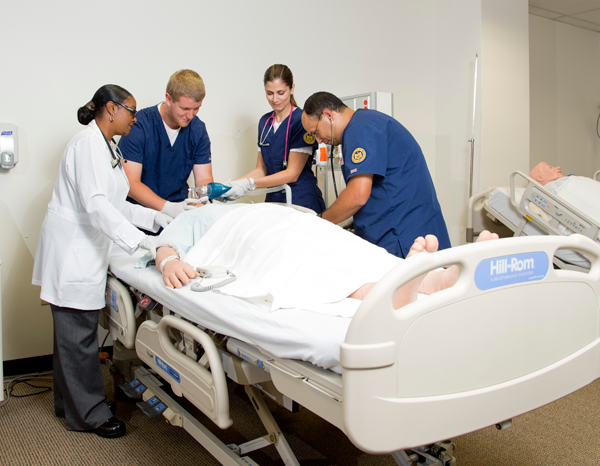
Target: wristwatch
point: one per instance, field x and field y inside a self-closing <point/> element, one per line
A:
<point x="252" y="184"/>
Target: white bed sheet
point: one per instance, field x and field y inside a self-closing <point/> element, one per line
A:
<point x="499" y="200"/>
<point x="286" y="333"/>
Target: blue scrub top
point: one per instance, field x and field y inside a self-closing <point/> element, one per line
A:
<point x="403" y="204"/>
<point x="166" y="168"/>
<point x="305" y="191"/>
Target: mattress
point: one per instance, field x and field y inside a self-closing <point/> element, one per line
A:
<point x="499" y="200"/>
<point x="309" y="336"/>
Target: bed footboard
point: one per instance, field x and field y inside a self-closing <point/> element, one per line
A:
<point x="207" y="389"/>
<point x="511" y="335"/>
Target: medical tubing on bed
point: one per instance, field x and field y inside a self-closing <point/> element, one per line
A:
<point x="199" y="288"/>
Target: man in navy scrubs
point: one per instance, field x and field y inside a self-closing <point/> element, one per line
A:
<point x="167" y="143"/>
<point x="389" y="190"/>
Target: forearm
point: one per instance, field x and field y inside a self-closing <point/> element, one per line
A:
<point x="343" y="208"/>
<point x="351" y="199"/>
<point x="276" y="179"/>
<point x="296" y="163"/>
<point x="145" y="196"/>
<point x="202" y="174"/>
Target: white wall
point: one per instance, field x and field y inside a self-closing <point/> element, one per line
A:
<point x="565" y="96"/>
<point x="62" y="52"/>
<point x="422" y="52"/>
<point x="505" y="91"/>
<point x="458" y="39"/>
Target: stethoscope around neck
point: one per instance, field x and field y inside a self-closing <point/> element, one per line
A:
<point x="117" y="157"/>
<point x="263" y="137"/>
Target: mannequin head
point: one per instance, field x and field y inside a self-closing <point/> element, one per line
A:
<point x="544" y="173"/>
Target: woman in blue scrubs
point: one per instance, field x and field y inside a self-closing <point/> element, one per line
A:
<point x="284" y="148"/>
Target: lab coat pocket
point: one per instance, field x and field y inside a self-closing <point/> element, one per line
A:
<point x="86" y="261"/>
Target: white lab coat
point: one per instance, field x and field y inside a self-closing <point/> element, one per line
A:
<point x="87" y="212"/>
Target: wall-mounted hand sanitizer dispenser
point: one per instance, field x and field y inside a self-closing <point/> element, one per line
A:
<point x="9" y="146"/>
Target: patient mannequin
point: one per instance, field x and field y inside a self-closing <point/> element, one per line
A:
<point x="579" y="191"/>
<point x="544" y="173"/>
<point x="177" y="273"/>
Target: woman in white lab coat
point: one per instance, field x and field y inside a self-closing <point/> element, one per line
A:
<point x="86" y="214"/>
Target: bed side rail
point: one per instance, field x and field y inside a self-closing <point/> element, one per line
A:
<point x="274" y="189"/>
<point x="596" y="175"/>
<point x="511" y="335"/>
<point x="475" y="205"/>
<point x="561" y="212"/>
<point x="207" y="389"/>
<point x="119" y="316"/>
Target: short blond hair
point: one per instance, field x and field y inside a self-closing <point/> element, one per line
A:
<point x="186" y="83"/>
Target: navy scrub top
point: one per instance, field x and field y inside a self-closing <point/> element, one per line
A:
<point x="166" y="168"/>
<point x="305" y="191"/>
<point x="403" y="204"/>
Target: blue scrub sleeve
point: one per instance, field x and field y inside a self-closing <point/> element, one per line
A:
<point x="133" y="145"/>
<point x="298" y="136"/>
<point x="365" y="151"/>
<point x="202" y="153"/>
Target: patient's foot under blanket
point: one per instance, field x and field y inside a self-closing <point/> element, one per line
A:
<point x="289" y="258"/>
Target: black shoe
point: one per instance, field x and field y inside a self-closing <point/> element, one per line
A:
<point x="112" y="428"/>
<point x="113" y="407"/>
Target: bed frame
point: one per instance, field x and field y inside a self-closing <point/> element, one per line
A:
<point x="559" y="214"/>
<point x="506" y="339"/>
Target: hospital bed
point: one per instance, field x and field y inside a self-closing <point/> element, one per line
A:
<point x="533" y="210"/>
<point x="504" y="340"/>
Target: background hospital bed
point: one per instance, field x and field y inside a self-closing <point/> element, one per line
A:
<point x="529" y="211"/>
<point x="451" y="363"/>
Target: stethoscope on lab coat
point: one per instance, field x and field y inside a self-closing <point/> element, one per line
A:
<point x="263" y="137"/>
<point x="118" y="157"/>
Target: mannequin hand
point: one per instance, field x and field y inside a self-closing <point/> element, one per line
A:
<point x="173" y="209"/>
<point x="238" y="188"/>
<point x="162" y="220"/>
<point x="177" y="273"/>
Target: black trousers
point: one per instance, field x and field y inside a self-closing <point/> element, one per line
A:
<point x="79" y="394"/>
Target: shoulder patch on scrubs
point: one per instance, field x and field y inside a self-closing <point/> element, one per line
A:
<point x="309" y="138"/>
<point x="359" y="155"/>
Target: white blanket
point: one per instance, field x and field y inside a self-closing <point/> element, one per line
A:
<point x="581" y="192"/>
<point x="289" y="259"/>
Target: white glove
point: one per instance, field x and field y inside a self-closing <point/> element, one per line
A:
<point x="238" y="188"/>
<point x="162" y="220"/>
<point x="173" y="209"/>
<point x="149" y="242"/>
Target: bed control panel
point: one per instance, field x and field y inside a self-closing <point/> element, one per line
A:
<point x="559" y="214"/>
<point x="558" y="218"/>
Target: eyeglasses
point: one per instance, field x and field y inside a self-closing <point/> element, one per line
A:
<point x="314" y="133"/>
<point x="132" y="110"/>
